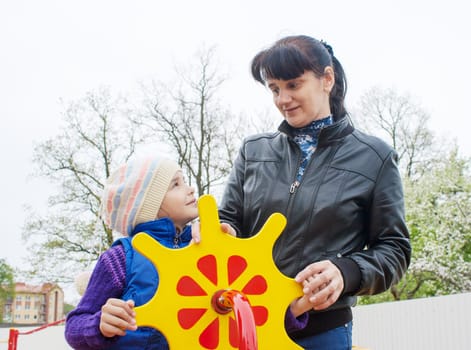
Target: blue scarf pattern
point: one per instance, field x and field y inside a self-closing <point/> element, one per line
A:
<point x="306" y="138"/>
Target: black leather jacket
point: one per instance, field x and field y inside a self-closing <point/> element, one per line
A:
<point x="348" y="207"/>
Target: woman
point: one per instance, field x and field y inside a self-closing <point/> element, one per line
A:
<point x="339" y="189"/>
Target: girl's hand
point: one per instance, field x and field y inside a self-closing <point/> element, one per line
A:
<point x="300" y="306"/>
<point x="117" y="316"/>
<point x="196" y="233"/>
<point x="226" y="228"/>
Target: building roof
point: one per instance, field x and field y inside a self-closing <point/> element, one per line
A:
<point x="21" y="287"/>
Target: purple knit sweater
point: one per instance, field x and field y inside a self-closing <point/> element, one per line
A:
<point x="108" y="280"/>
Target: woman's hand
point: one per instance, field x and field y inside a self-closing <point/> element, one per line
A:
<point x="117" y="316"/>
<point x="322" y="283"/>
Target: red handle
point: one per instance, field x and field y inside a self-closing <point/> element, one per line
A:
<point x="226" y="300"/>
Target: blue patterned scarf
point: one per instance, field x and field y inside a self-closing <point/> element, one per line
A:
<point x="306" y="138"/>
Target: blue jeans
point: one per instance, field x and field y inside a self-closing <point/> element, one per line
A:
<point x="339" y="338"/>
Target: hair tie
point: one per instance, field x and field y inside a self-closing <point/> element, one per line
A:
<point x="328" y="48"/>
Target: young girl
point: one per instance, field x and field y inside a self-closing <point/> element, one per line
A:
<point x="144" y="195"/>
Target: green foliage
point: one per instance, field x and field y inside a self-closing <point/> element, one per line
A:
<point x="68" y="308"/>
<point x="374" y="299"/>
<point x="7" y="285"/>
<point x="439" y="217"/>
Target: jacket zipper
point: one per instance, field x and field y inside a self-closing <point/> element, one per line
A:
<point x="176" y="240"/>
<point x="293" y="187"/>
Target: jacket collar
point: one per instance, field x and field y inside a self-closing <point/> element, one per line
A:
<point x="164" y="231"/>
<point x="329" y="134"/>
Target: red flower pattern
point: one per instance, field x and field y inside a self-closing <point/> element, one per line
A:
<point x="187" y="286"/>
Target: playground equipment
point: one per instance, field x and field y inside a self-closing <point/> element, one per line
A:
<point x="14" y="333"/>
<point x="223" y="293"/>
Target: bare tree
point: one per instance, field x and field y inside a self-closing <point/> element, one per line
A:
<point x="101" y="132"/>
<point x="96" y="136"/>
<point x="400" y="121"/>
<point x="192" y="120"/>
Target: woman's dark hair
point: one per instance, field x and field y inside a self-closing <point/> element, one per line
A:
<point x="291" y="56"/>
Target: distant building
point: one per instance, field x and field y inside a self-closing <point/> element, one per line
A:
<point x="35" y="304"/>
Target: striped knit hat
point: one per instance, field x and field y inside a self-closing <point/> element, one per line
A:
<point x="134" y="192"/>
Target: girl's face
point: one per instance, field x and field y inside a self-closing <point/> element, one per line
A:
<point x="303" y="99"/>
<point x="179" y="203"/>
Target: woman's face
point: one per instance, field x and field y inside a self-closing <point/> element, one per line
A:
<point x="303" y="99"/>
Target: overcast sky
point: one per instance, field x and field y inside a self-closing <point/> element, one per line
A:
<point x="52" y="50"/>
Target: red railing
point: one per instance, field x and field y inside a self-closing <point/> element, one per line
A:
<point x="14" y="333"/>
